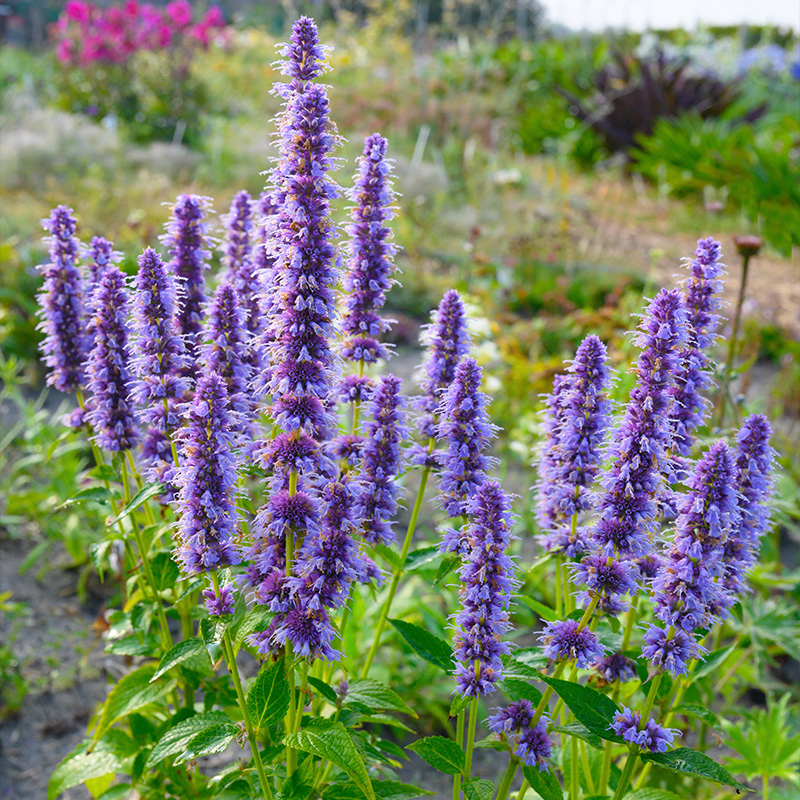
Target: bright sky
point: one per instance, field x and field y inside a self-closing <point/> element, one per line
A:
<point x="642" y="14"/>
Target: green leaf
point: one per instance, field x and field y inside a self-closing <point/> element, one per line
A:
<point x="177" y="738"/>
<point x="651" y="794"/>
<point x="256" y="620"/>
<point x="377" y="697"/>
<point x="425" y="644"/>
<point x="141" y="497"/>
<point x="389" y="555"/>
<point x="96" y="494"/>
<point x="449" y="563"/>
<point x="394" y="790"/>
<point x="325" y="689"/>
<point x="212" y="633"/>
<point x="135" y="690"/>
<point x="699" y="712"/>
<point x="179" y="653"/>
<point x="459" y="704"/>
<point x="80" y="767"/>
<point x="268" y="697"/>
<point x="419" y="558"/>
<point x="165" y="571"/>
<point x="211" y="740"/>
<point x="545" y="612"/>
<point x="713" y="661"/>
<point x="478" y="789"/>
<point x="330" y="740"/>
<point x="691" y="762"/>
<point x="120" y="791"/>
<point x="594" y="710"/>
<point x="521" y="690"/>
<point x="545" y="784"/>
<point x="442" y="754"/>
<point x="582" y="732"/>
<point x="493" y="743"/>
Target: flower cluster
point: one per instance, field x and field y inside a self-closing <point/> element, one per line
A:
<point x="568" y="640"/>
<point x="652" y="737"/>
<point x="88" y="34"/>
<point x="530" y="742"/>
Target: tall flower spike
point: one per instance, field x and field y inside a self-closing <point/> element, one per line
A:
<point x="307" y="269"/>
<point x="754" y="480"/>
<point x="304" y="57"/>
<point x="370" y="266"/>
<point x="700" y="287"/>
<point x="448" y="340"/>
<point x="487" y="585"/>
<point x="466" y="431"/>
<point x="239" y="225"/>
<point x="187" y="243"/>
<point x="101" y="255"/>
<point x="225" y="349"/>
<point x="159" y="354"/>
<point x="61" y="304"/>
<point x="111" y="413"/>
<point x="206" y="531"/>
<point x="377" y="498"/>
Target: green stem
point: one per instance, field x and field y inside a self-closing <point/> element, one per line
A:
<point x="574" y="788"/>
<point x="230" y="659"/>
<point x="460" y="743"/>
<point x="765" y="786"/>
<point x="523" y="790"/>
<point x="508" y="777"/>
<point x="627" y="771"/>
<point x="587" y="771"/>
<point x="737" y="317"/>
<point x="473" y="724"/>
<point x="648" y="707"/>
<point x="398" y="573"/>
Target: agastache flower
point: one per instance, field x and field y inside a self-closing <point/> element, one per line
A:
<point x="529" y="741"/>
<point x="239" y="225"/>
<point x="159" y="353"/>
<point x="487" y="585"/>
<point x="370" y="266"/>
<point x="206" y="532"/>
<point x="219" y="605"/>
<point x="377" y="498"/>
<point x="61" y="304"/>
<point x="101" y="255"/>
<point x="671" y="651"/>
<point x="653" y="738"/>
<point x="304" y="57"/>
<point x="448" y="341"/>
<point x="700" y="287"/>
<point x="616" y="667"/>
<point x="568" y="641"/>
<point x="466" y="431"/>
<point x="111" y="414"/>
<point x="187" y="243"/>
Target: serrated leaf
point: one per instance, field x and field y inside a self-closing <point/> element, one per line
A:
<point x="699" y="712"/>
<point x="331" y="741"/>
<point x="425" y="644"/>
<point x="165" y="571"/>
<point x="211" y="740"/>
<point x="377" y="697"/>
<point x="95" y="494"/>
<point x="326" y="690"/>
<point x="713" y="660"/>
<point x="478" y="789"/>
<point x="651" y="794"/>
<point x="444" y="755"/>
<point x="212" y="634"/>
<point x="582" y="732"/>
<point x="492" y="743"/>
<point x="79" y="768"/>
<point x="449" y="563"/>
<point x="593" y="710"/>
<point x="132" y="646"/>
<point x="395" y="790"/>
<point x="141" y="497"/>
<point x="177" y="738"/>
<point x="692" y="762"/>
<point x="179" y="653"/>
<point x="459" y="704"/>
<point x="132" y="692"/>
<point x="389" y="555"/>
<point x="521" y="690"/>
<point x="545" y="784"/>
<point x="268" y="697"/>
<point x="419" y="558"/>
<point x="257" y="619"/>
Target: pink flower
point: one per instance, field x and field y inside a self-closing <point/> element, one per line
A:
<point x="213" y="18"/>
<point x="78" y="11"/>
<point x="180" y="12"/>
<point x="64" y="51"/>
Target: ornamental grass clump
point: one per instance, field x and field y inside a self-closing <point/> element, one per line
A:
<point x="274" y="503"/>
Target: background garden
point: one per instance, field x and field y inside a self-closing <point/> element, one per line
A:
<point x="553" y="178"/>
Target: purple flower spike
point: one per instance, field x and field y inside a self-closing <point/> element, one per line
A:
<point x="369" y="274"/>
<point x="61" y="304"/>
<point x="219" y="605"/>
<point x="111" y="414"/>
<point x="448" y="340"/>
<point x="534" y="746"/>
<point x="529" y="742"/>
<point x="653" y="738"/>
<point x="512" y="718"/>
<point x="159" y="353"/>
<point x="208" y="517"/>
<point x="101" y="255"/>
<point x="616" y="667"/>
<point x="465" y="429"/>
<point x="304" y="57"/>
<point x="629" y="503"/>
<point x="700" y="287"/>
<point x="306" y="269"/>
<point x="187" y="243"/>
<point x="225" y="351"/>
<point x="688" y="589"/>
<point x="566" y="641"/>
<point x="487" y="578"/>
<point x="378" y="496"/>
<point x="671" y="651"/>
<point x="239" y="225"/>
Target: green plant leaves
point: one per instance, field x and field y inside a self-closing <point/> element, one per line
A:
<point x="699" y="712"/>
<point x="330" y="740"/>
<point x="651" y="794"/>
<point x="545" y="784"/>
<point x="135" y="690"/>
<point x="213" y="739"/>
<point x="178" y="654"/>
<point x="444" y="755"/>
<point x="478" y="789"/>
<point x="177" y="738"/>
<point x="394" y="790"/>
<point x="593" y="710"/>
<point x="691" y="762"/>
<point x="268" y="697"/>
<point x="582" y="732"/>
<point x="96" y="494"/>
<point x="141" y="497"/>
<point x="80" y="767"/>
<point x="518" y="689"/>
<point x="425" y="644"/>
<point x="377" y="697"/>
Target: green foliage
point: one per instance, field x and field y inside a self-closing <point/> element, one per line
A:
<point x="691" y="762"/>
<point x="444" y="755"/>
